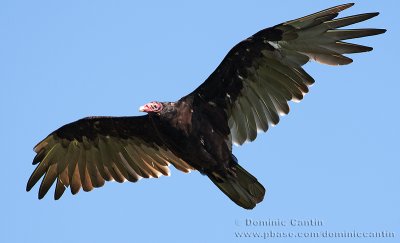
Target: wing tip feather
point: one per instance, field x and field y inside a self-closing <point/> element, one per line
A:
<point x="343" y="6"/>
<point x="28" y="187"/>
<point x="374" y="14"/>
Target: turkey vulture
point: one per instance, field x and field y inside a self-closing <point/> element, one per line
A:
<point x="246" y="94"/>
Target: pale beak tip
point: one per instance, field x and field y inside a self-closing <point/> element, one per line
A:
<point x="141" y="109"/>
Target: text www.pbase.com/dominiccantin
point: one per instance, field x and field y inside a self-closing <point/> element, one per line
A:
<point x="310" y="234"/>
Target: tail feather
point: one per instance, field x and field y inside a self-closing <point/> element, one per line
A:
<point x="243" y="189"/>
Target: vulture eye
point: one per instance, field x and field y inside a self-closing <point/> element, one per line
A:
<point x="155" y="107"/>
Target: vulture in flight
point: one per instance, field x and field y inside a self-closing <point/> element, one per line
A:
<point x="246" y="94"/>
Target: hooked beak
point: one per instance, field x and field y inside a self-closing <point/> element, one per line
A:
<point x="152" y="107"/>
<point x="142" y="108"/>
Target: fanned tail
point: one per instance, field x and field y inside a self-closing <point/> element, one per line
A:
<point x="243" y="188"/>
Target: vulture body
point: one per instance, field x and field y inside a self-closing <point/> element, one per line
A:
<point x="246" y="94"/>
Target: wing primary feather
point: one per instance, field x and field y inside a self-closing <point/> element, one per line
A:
<point x="133" y="153"/>
<point x="60" y="188"/>
<point x="107" y="149"/>
<point x="83" y="172"/>
<point x="289" y="72"/>
<point x="134" y="177"/>
<point x="307" y="20"/>
<point x="271" y="96"/>
<point x="233" y="126"/>
<point x="271" y="85"/>
<point x="116" y="174"/>
<point x="352" y="33"/>
<point x="96" y="179"/>
<point x="268" y="106"/>
<point x="118" y="166"/>
<point x="151" y="153"/>
<point x="43" y="166"/>
<point x="73" y="171"/>
<point x="250" y="120"/>
<point x="147" y="162"/>
<point x="63" y="170"/>
<point x="244" y="118"/>
<point x="160" y="160"/>
<point x="178" y="163"/>
<point x="261" y="118"/>
<point x="48" y="180"/>
<point x="100" y="164"/>
<point x="239" y="123"/>
<point x="127" y="163"/>
<point x="74" y="178"/>
<point x="63" y="158"/>
<point x="105" y="158"/>
<point x="45" y="143"/>
<point x="159" y="164"/>
<point x="288" y="83"/>
<point x="39" y="156"/>
<point x="63" y="177"/>
<point x="280" y="104"/>
<point x="349" y="20"/>
<point x="306" y="77"/>
<point x="131" y="160"/>
<point x="347" y="48"/>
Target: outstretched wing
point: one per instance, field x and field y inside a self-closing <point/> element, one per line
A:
<point x="261" y="74"/>
<point x="90" y="151"/>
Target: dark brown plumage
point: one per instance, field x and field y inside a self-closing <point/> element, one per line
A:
<point x="247" y="93"/>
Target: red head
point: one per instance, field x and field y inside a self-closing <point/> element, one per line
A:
<point x="151" y="107"/>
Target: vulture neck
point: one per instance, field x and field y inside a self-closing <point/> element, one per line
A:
<point x="178" y="115"/>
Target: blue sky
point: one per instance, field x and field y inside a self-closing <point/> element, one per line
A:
<point x="334" y="158"/>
